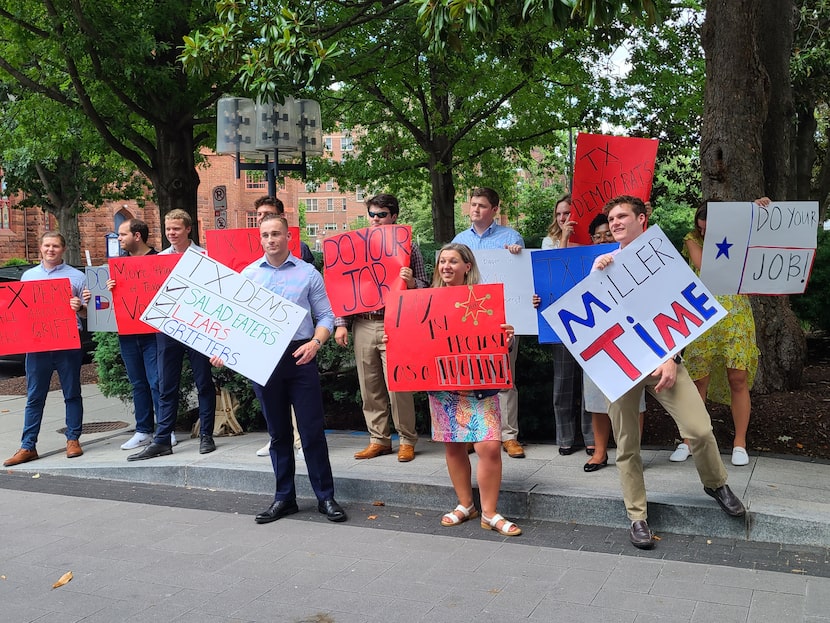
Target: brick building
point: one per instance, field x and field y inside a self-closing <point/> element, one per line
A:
<point x="328" y="211"/>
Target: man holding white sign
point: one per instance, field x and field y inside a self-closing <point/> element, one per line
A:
<point x="670" y="384"/>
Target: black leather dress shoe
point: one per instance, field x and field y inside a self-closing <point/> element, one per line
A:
<point x="151" y="452"/>
<point x="567" y="450"/>
<point x="277" y="510"/>
<point x="332" y="510"/>
<point x="727" y="500"/>
<point x="640" y="536"/>
<point x="206" y="444"/>
<point x="593" y="467"/>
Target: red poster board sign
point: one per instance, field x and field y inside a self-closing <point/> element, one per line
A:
<point x="606" y="167"/>
<point x="447" y="338"/>
<point x="237" y="248"/>
<point x="363" y="266"/>
<point x="36" y="317"/>
<point x="137" y="279"/>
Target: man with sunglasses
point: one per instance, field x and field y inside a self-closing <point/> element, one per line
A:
<point x="379" y="404"/>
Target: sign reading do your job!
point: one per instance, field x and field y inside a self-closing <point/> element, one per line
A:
<point x="217" y="312"/>
<point x="622" y="322"/>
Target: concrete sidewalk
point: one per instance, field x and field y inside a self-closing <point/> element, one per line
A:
<point x="788" y="499"/>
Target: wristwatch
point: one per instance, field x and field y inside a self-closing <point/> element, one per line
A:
<point x="677" y="359"/>
<point x="319" y="343"/>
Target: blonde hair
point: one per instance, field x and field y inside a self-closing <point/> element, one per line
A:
<point x="179" y="215"/>
<point x="554" y="230"/>
<point x="472" y="277"/>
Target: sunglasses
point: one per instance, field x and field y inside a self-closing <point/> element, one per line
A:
<point x="378" y="214"/>
<point x="607" y="235"/>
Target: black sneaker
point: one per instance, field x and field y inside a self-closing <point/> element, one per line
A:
<point x="206" y="444"/>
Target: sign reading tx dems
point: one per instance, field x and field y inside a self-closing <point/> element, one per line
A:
<point x="216" y="311"/>
<point x="447" y="338"/>
<point x="754" y="249"/>
<point x="622" y="322"/>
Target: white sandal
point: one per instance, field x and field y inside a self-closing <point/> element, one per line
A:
<point x="506" y="528"/>
<point x="451" y="519"/>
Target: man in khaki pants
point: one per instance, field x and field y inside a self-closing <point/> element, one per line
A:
<point x="379" y="404"/>
<point x="671" y="385"/>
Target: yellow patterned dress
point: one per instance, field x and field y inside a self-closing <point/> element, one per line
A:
<point x="729" y="344"/>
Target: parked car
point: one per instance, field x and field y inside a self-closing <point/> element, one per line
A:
<point x="13" y="273"/>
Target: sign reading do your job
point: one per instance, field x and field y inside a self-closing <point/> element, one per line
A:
<point x="622" y="322"/>
<point x="755" y="249"/>
<point x="217" y="312"/>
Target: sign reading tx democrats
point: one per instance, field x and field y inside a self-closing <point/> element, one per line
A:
<point x="555" y="271"/>
<point x="36" y="317"/>
<point x="137" y="280"/>
<point x="237" y="248"/>
<point x="754" y="249"/>
<point x="606" y="167"/>
<point x="363" y="266"/>
<point x="622" y="322"/>
<point x="100" y="315"/>
<point x="216" y="311"/>
<point x="514" y="272"/>
<point x="447" y="338"/>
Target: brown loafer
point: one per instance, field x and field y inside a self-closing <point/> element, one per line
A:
<point x="513" y="448"/>
<point x="372" y="451"/>
<point x="21" y="456"/>
<point x="406" y="453"/>
<point x="73" y="449"/>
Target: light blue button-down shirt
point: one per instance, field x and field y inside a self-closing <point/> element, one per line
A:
<point x="300" y="283"/>
<point x="494" y="237"/>
<point x="62" y="271"/>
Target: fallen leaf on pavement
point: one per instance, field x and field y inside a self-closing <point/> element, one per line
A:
<point x="378" y="503"/>
<point x="63" y="580"/>
<point x="372" y="517"/>
<point x="36" y="476"/>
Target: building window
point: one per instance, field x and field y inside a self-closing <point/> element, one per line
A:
<point x="330" y="186"/>
<point x="346" y="143"/>
<point x="311" y="230"/>
<point x="344" y="204"/>
<point x="345" y="225"/>
<point x="331" y="227"/>
<point x="360" y="194"/>
<point x="250" y="219"/>
<point x="5" y="214"/>
<point x="255" y="180"/>
<point x="311" y="205"/>
<point x="330" y="204"/>
<point x="327" y="143"/>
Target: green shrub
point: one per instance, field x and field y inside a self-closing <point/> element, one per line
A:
<point x="811" y="307"/>
<point x="16" y="261"/>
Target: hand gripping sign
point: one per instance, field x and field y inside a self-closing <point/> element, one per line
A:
<point x="755" y="249"/>
<point x="622" y="322"/>
<point x="447" y="338"/>
<point x="216" y="311"/>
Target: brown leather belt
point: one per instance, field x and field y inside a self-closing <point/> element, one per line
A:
<point x="378" y="315"/>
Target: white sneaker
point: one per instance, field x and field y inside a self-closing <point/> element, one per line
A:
<point x="681" y="453"/>
<point x="300" y="454"/>
<point x="739" y="456"/>
<point x="173" y="441"/>
<point x="264" y="450"/>
<point x="136" y="441"/>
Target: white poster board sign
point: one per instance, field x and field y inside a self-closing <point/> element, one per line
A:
<point x="753" y="249"/>
<point x="100" y="311"/>
<point x="516" y="273"/>
<point x="622" y="322"/>
<point x="216" y="311"/>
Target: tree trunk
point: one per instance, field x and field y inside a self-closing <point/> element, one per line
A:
<point x="739" y="121"/>
<point x="443" y="202"/>
<point x="174" y="174"/>
<point x="67" y="217"/>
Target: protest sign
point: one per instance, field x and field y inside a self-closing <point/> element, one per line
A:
<point x="100" y="314"/>
<point x="137" y="279"/>
<point x="514" y="272"/>
<point x="36" y="317"/>
<point x="622" y="322"/>
<point x="754" y="249"/>
<point x="363" y="266"/>
<point x="237" y="248"/>
<point x="218" y="312"/>
<point x="555" y="271"/>
<point x="447" y="338"/>
<point x="606" y="167"/>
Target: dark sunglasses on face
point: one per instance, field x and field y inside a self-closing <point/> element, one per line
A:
<point x="378" y="214"/>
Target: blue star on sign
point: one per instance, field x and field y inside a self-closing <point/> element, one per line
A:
<point x="723" y="248"/>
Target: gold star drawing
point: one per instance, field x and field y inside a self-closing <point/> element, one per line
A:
<point x="474" y="306"/>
